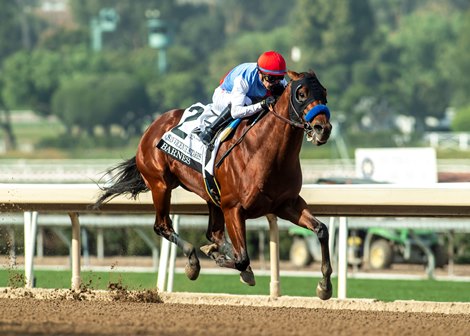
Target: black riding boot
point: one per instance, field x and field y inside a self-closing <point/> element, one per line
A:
<point x="223" y="119"/>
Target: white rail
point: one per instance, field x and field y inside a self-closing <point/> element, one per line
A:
<point x="450" y="140"/>
<point x="438" y="200"/>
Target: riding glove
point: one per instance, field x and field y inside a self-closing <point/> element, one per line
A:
<point x="268" y="102"/>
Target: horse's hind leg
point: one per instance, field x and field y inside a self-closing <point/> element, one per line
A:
<point x="220" y="248"/>
<point x="298" y="213"/>
<point x="163" y="227"/>
<point x="324" y="287"/>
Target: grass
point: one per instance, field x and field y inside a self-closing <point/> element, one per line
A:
<point x="384" y="290"/>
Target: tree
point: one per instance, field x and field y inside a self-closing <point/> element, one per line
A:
<point x="30" y="79"/>
<point x="14" y="35"/>
<point x="176" y="90"/>
<point x="332" y="32"/>
<point x="461" y="121"/>
<point x="196" y="27"/>
<point x="455" y="63"/>
<point x="422" y="39"/>
<point x="243" y="16"/>
<point x="122" y="101"/>
<point x="10" y="29"/>
<point x="58" y="39"/>
<point x="15" y="75"/>
<point x="91" y="100"/>
<point x="5" y="124"/>
<point x="332" y="36"/>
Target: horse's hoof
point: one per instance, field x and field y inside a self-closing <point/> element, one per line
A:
<point x="247" y="277"/>
<point x="324" y="293"/>
<point x="192" y="271"/>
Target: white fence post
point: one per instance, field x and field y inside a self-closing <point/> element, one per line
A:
<point x="463" y="141"/>
<point x="342" y="257"/>
<point x="171" y="267"/>
<point x="30" y="229"/>
<point x="274" y="287"/>
<point x="434" y="140"/>
<point x="76" y="251"/>
<point x="163" y="263"/>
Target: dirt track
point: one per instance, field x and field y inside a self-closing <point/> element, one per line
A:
<point x="42" y="312"/>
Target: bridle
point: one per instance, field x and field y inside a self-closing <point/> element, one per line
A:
<point x="297" y="118"/>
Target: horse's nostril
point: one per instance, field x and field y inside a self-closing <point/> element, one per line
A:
<point x="318" y="129"/>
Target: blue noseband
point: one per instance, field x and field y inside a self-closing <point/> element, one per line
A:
<point x="316" y="110"/>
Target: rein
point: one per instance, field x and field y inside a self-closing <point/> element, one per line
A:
<point x="240" y="139"/>
<point x="288" y="121"/>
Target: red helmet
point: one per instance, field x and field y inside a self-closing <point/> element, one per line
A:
<point x="272" y="63"/>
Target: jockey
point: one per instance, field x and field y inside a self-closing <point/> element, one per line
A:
<point x="246" y="90"/>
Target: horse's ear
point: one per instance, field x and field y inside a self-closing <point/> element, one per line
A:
<point x="293" y="75"/>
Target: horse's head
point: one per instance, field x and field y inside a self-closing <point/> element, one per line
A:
<point x="307" y="106"/>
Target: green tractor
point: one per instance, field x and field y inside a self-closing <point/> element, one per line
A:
<point x="376" y="247"/>
<point x="386" y="246"/>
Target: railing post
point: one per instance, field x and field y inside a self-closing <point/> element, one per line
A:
<point x="434" y="140"/>
<point x="342" y="257"/>
<point x="76" y="251"/>
<point x="163" y="263"/>
<point x="171" y="266"/>
<point x="463" y="141"/>
<point x="100" y="243"/>
<point x="30" y="229"/>
<point x="274" y="287"/>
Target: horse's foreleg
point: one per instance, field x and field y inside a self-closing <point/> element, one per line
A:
<point x="298" y="213"/>
<point x="192" y="267"/>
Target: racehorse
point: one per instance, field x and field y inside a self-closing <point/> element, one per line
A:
<point x="261" y="176"/>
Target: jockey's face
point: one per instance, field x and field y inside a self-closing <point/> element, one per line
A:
<point x="270" y="80"/>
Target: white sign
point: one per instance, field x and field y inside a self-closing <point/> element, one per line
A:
<point x="397" y="165"/>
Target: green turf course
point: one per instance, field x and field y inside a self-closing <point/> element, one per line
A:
<point x="384" y="290"/>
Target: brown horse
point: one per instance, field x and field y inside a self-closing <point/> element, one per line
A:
<point x="261" y="176"/>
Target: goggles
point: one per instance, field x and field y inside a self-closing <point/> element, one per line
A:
<point x="271" y="78"/>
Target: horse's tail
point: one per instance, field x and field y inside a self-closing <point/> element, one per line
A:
<point x="126" y="179"/>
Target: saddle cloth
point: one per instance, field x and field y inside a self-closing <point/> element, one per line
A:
<point x="182" y="143"/>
